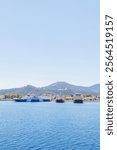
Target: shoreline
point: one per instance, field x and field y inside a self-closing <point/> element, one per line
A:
<point x="89" y="101"/>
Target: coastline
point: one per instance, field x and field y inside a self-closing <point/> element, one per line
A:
<point x="89" y="101"/>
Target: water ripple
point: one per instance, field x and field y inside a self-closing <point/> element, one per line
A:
<point x="49" y="126"/>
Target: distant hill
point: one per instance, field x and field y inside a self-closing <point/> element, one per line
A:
<point x="58" y="88"/>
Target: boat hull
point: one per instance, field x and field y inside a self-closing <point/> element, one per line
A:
<point x="59" y="101"/>
<point x="20" y="100"/>
<point x="27" y="100"/>
<point x="35" y="100"/>
<point x="78" y="101"/>
<point x="46" y="100"/>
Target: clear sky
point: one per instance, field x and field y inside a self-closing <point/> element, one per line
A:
<point x="44" y="41"/>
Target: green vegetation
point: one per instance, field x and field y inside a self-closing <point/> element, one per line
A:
<point x="87" y="95"/>
<point x="68" y="97"/>
<point x="11" y="96"/>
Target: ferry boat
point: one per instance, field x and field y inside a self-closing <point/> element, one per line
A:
<point x="60" y="100"/>
<point x="78" y="101"/>
<point x="78" y="98"/>
<point x="28" y="99"/>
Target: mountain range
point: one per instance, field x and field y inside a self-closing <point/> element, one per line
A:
<point x="58" y="88"/>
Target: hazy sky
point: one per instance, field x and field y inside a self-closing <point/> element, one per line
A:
<point x="44" y="41"/>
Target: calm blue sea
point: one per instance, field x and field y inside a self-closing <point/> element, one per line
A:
<point x="49" y="126"/>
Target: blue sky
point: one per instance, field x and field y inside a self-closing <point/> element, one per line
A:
<point x="44" y="41"/>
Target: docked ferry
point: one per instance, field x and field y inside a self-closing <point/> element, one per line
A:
<point x="60" y="100"/>
<point x="28" y="99"/>
<point x="32" y="99"/>
<point x="78" y="98"/>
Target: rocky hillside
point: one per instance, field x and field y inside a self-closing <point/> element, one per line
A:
<point x="58" y="88"/>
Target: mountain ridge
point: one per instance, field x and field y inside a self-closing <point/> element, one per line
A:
<point x="57" y="88"/>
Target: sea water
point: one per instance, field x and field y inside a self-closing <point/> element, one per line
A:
<point x="49" y="126"/>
